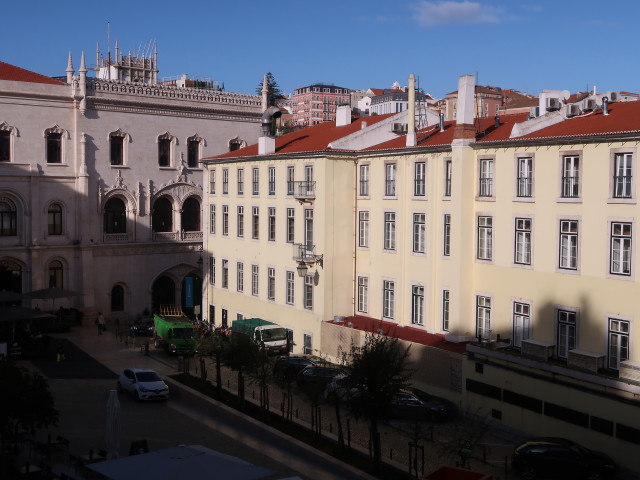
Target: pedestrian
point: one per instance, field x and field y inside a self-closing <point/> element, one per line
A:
<point x="60" y="353"/>
<point x="100" y="323"/>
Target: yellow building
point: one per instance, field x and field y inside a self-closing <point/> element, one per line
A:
<point x="511" y="238"/>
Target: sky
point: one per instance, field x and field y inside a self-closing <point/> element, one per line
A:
<point x="524" y="45"/>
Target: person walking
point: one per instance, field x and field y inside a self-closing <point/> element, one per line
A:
<point x="100" y="323"/>
<point x="60" y="353"/>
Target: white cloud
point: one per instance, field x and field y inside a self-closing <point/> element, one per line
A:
<point x="434" y="14"/>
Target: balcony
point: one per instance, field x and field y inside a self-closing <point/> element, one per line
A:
<point x="177" y="236"/>
<point x="303" y="191"/>
<point x="304" y="253"/>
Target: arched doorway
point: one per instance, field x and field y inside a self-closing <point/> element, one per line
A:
<point x="163" y="293"/>
<point x="191" y="215"/>
<point x="162" y="219"/>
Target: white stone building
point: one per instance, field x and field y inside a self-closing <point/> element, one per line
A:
<point x="101" y="185"/>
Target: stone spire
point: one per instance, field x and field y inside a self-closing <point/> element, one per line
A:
<point x="83" y="84"/>
<point x="265" y="94"/>
<point x="70" y="70"/>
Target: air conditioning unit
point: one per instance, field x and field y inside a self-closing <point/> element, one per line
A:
<point x="553" y="103"/>
<point x="613" y="96"/>
<point x="589" y="104"/>
<point x="573" y="110"/>
<point x="400" y="127"/>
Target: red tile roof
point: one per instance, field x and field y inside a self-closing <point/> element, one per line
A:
<point x="17" y="74"/>
<point x="410" y="334"/>
<point x="311" y="139"/>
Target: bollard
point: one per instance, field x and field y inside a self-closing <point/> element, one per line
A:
<point x="146" y="348"/>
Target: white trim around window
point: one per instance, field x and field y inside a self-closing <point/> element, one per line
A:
<point x="621" y="243"/>
<point x="622" y="175"/>
<point x="568" y="244"/>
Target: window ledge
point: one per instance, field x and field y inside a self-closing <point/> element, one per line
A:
<point x="524" y="199"/>
<point x="622" y="200"/>
<point x="569" y="200"/>
<point x="122" y="167"/>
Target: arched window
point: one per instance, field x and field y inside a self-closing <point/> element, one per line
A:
<point x="54" y="219"/>
<point x="191" y="215"/>
<point x="10" y="276"/>
<point x="165" y="149"/>
<point x="115" y="216"/>
<point x="8" y="218"/>
<point x="162" y="219"/>
<point x="56" y="274"/>
<point x="117" y="299"/>
<point x="116" y="148"/>
<point x="194" y="145"/>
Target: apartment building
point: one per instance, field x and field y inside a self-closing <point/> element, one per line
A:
<point x="509" y="238"/>
<point x="317" y="103"/>
<point x="101" y="186"/>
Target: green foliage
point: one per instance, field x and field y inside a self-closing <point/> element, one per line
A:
<point x="241" y="353"/>
<point x="274" y="92"/>
<point x="26" y="402"/>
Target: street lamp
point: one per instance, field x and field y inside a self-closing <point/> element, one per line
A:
<point x="302" y="269"/>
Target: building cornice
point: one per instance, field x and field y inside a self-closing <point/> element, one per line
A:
<point x="566" y="140"/>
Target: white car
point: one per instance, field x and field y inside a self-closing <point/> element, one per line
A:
<point x="143" y="384"/>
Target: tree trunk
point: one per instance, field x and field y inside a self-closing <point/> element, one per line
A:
<point x="376" y="447"/>
<point x="218" y="374"/>
<point x="339" y="425"/>
<point x="240" y="387"/>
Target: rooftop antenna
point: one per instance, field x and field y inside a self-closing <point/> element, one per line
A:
<point x="109" y="50"/>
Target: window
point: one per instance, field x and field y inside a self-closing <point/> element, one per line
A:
<point x="622" y="176"/>
<point x="291" y="171"/>
<point x="419" y="179"/>
<point x="54" y="147"/>
<point x="525" y="177"/>
<point x="521" y="323"/>
<point x="389" y="230"/>
<point x="290" y="288"/>
<point x="570" y="176"/>
<point x="54" y="219"/>
<point x="566" y="332"/>
<point x="212" y="219"/>
<point x="390" y="180"/>
<point x="418" y="232"/>
<point x="5" y="145"/>
<point x="308" y="292"/>
<point x="446" y="248"/>
<point x="417" y="305"/>
<point x="569" y="244"/>
<point x="255" y="279"/>
<point x="212" y="270"/>
<point x="445" y="310"/>
<point x="240" y="221"/>
<point x="486" y="178"/>
<point x="483" y="317"/>
<point x="240" y="277"/>
<point x="309" y="184"/>
<point x="271" y="233"/>
<point x="255" y="223"/>
<point x="117" y="299"/>
<point x="271" y="283"/>
<point x="225" y="181"/>
<point x="364" y="180"/>
<point x="308" y="229"/>
<point x="522" y="254"/>
<point x="193" y="152"/>
<point x="485" y="238"/>
<point x="115" y="216"/>
<point x="620" y="248"/>
<point x="388" y="299"/>
<point x="307" y="345"/>
<point x="212" y="182"/>
<point x="272" y="180"/>
<point x="618" y="347"/>
<point x="225" y="273"/>
<point x="363" y="294"/>
<point x="116" y="148"/>
<point x="240" y="175"/>
<point x="56" y="274"/>
<point x="363" y="229"/>
<point x="290" y="225"/>
<point x="256" y="181"/>
<point x="225" y="220"/>
<point x="164" y="151"/>
<point x="447" y="177"/>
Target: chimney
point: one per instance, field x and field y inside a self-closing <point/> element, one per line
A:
<point x="267" y="142"/>
<point x="411" y="113"/>
<point x="465" y="129"/>
<point x="343" y="115"/>
<point x="441" y="122"/>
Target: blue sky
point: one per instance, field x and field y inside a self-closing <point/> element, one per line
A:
<point x="525" y="45"/>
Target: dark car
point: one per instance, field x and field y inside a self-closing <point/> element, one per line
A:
<point x="286" y="368"/>
<point x="314" y="378"/>
<point x="560" y="458"/>
<point x="414" y="404"/>
<point x="143" y="327"/>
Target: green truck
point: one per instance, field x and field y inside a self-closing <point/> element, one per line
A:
<point x="174" y="331"/>
<point x="268" y="335"/>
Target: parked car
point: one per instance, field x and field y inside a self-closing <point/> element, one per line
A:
<point x="143" y="384"/>
<point x="143" y="327"/>
<point x="314" y="378"/>
<point x="415" y="404"/>
<point x="287" y="368"/>
<point x="560" y="458"/>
